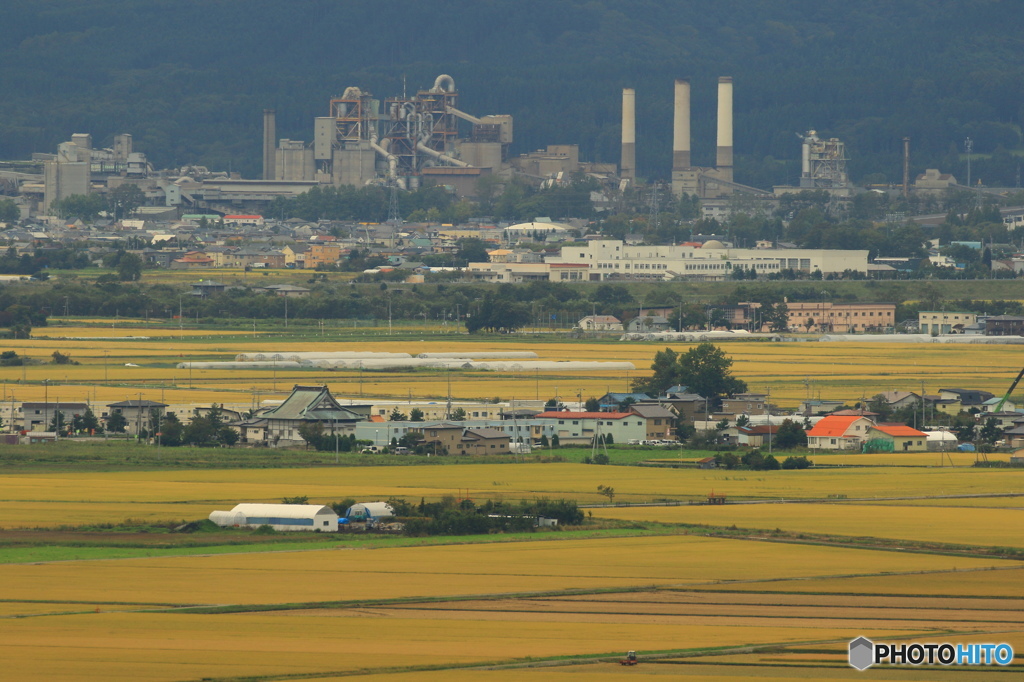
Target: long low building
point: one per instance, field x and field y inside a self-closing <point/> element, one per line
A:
<point x="826" y="316"/>
<point x="614" y="259"/>
<point x="310" y="517"/>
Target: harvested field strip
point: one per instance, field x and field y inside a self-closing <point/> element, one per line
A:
<point x="21" y="609"/>
<point x="675" y="596"/>
<point x="511" y="481"/>
<point x="175" y="646"/>
<point x="935" y="613"/>
<point x="822" y="620"/>
<point x="922" y="524"/>
<point x="1008" y="583"/>
<point x="312" y="576"/>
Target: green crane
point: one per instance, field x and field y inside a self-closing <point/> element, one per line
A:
<point x="999" y="407"/>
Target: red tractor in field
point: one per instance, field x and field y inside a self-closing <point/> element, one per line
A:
<point x="630" y="659"/>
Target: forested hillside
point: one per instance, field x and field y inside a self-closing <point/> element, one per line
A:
<point x="189" y="78"/>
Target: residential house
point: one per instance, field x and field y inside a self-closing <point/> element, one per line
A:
<point x="600" y="323"/>
<point x="897" y="400"/>
<point x="581" y="427"/>
<point x="307" y="405"/>
<point x="936" y="403"/>
<point x="287" y="290"/>
<point x="139" y="414"/>
<point x="896" y="438"/>
<point x="686" y="405"/>
<point x="839" y="433"/>
<point x="992" y="404"/>
<point x="660" y="421"/>
<point x="611" y="402"/>
<point x="756" y="436"/>
<point x="809" y="408"/>
<point x="453" y="438"/>
<point x="39" y="416"/>
<point x="968" y="397"/>
<point x="192" y="260"/>
<point x="645" y="323"/>
<point x="746" y="403"/>
<point x="295" y="255"/>
<point x="251" y="431"/>
<point x="205" y="288"/>
<point x="322" y="253"/>
<point x="1004" y="325"/>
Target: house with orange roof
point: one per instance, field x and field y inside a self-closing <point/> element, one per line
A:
<point x="833" y="432"/>
<point x="901" y="437"/>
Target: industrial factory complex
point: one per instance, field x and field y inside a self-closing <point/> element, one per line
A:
<point x="416" y="140"/>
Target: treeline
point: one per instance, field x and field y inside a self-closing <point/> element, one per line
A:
<point x="498" y="199"/>
<point x="192" y="92"/>
<point x="464" y="517"/>
<point x="482" y="307"/>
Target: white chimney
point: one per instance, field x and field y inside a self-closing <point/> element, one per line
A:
<point x="681" y="126"/>
<point x="724" y="156"/>
<point x="627" y="166"/>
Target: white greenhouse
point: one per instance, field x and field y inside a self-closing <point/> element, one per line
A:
<point x="369" y="511"/>
<point x="279" y="517"/>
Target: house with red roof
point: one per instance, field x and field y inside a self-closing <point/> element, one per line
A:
<point x="900" y="437"/>
<point x="839" y="432"/>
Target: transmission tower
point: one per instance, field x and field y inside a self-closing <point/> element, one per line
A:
<point x="652" y="206"/>
<point x="393" y="216"/>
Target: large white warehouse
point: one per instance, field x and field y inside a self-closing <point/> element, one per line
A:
<point x="279" y="517"/>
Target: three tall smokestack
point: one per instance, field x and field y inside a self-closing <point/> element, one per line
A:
<point x="681" y="151"/>
<point x="269" y="135"/>
<point x="724" y="156"/>
<point x="681" y="126"/>
<point x="627" y="166"/>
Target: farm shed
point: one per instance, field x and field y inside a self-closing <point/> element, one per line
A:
<point x="279" y="517"/>
<point x="369" y="511"/>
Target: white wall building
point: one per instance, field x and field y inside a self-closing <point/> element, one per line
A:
<point x="612" y="258"/>
<point x="308" y="517"/>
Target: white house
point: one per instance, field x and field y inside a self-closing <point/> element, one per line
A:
<point x="600" y="323"/>
<point x="581" y="427"/>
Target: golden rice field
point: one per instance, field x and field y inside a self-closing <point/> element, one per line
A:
<point x="110" y="643"/>
<point x="183" y="647"/>
<point x="791" y="371"/>
<point x="508" y="481"/>
<point x="498" y="603"/>
<point x="997" y="527"/>
<point x="506" y="603"/>
<point x="449" y="570"/>
<point x="50" y="500"/>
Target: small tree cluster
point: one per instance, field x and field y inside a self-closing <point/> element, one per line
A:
<point x="463" y="517"/>
<point x="313" y="434"/>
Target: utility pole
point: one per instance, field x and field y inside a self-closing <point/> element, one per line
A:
<point x="968" y="148"/>
<point x="906" y="167"/>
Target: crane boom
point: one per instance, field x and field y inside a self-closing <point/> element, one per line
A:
<point x="999" y="407"/>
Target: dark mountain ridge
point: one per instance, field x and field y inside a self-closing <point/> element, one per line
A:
<point x="189" y="78"/>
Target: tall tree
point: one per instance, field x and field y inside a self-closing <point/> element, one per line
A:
<point x="705" y="369"/>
